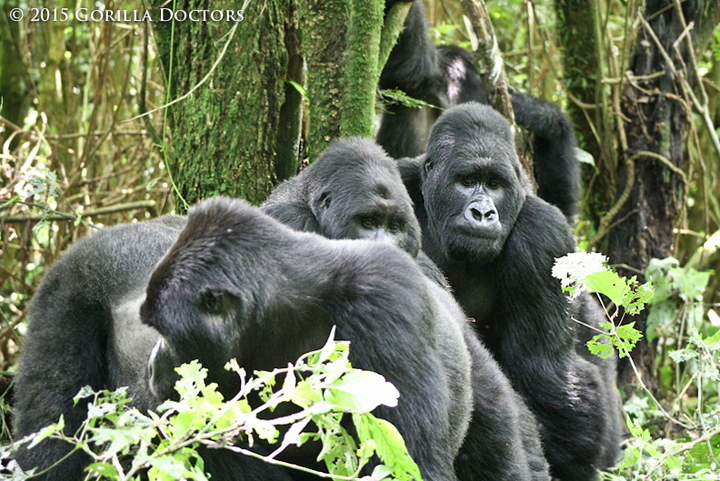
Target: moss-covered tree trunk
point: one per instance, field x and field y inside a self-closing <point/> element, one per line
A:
<point x="13" y="74"/>
<point x="225" y="134"/>
<point x="579" y="31"/>
<point x="239" y="130"/>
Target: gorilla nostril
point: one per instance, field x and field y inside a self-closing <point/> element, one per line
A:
<point x="476" y="214"/>
<point x="490" y="215"/>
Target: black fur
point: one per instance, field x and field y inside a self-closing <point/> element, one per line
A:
<point x="234" y="283"/>
<point x="85" y="330"/>
<point x="444" y="77"/>
<point x="497" y="243"/>
<point x="356" y="180"/>
<point x="281" y="293"/>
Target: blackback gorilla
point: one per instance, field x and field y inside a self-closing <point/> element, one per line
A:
<point x="354" y="191"/>
<point x="496" y="243"/>
<point x="236" y="283"/>
<point x="444" y="77"/>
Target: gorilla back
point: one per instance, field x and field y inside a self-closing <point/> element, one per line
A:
<point x="84" y="330"/>
<point x="234" y="284"/>
<point x="250" y="288"/>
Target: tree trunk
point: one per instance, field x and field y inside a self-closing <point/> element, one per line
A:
<point x="237" y="89"/>
<point x="225" y="134"/>
<point x="579" y="34"/>
<point x="13" y="74"/>
<point x="655" y="122"/>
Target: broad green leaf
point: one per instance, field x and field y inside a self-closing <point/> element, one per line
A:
<point x="103" y="469"/>
<point x="362" y="391"/>
<point x="390" y="446"/>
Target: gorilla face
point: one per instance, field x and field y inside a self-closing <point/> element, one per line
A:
<point x="200" y="302"/>
<point x="473" y="185"/>
<point x="356" y="193"/>
<point x="198" y="317"/>
<point x="372" y="205"/>
<point x="235" y="284"/>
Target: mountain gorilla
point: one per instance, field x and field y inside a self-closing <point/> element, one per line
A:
<point x="354" y="191"/>
<point x="445" y="76"/>
<point x="232" y="282"/>
<point x="497" y="243"/>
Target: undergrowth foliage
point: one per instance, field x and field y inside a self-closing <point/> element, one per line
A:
<point x="126" y="444"/>
<point x="678" y="436"/>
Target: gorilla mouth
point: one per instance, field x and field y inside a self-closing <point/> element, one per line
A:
<point x="465" y="230"/>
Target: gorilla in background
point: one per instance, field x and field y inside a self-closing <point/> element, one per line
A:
<point x="354" y="191"/>
<point x="497" y="243"/>
<point x="445" y="76"/>
<point x="233" y="282"/>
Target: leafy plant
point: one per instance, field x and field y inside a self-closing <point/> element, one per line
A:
<point x="690" y="447"/>
<point x="583" y="271"/>
<point x="126" y="444"/>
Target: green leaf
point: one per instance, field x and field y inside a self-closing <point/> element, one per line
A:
<point x="103" y="469"/>
<point x="47" y="431"/>
<point x="304" y="395"/>
<point x="601" y="349"/>
<point x="299" y="88"/>
<point x="713" y="342"/>
<point x="390" y="446"/>
<point x="362" y="391"/>
<point x="608" y="283"/>
<point x="682" y="355"/>
<point x="627" y="336"/>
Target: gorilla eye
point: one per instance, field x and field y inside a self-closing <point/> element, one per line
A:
<point x="368" y="223"/>
<point x="394" y="226"/>
<point x="493" y="184"/>
<point x="467" y="181"/>
<point x="214" y="302"/>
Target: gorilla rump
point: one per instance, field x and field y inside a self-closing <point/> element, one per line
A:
<point x="235" y="283"/>
<point x="354" y="191"/>
<point x="497" y="243"/>
<point x="444" y="77"/>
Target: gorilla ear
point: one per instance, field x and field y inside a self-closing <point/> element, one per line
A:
<point x="324" y="200"/>
<point x="320" y="204"/>
<point x="428" y="165"/>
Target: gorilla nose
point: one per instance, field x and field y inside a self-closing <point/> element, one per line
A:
<point x="481" y="213"/>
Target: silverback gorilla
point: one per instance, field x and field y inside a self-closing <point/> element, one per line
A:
<point x="445" y="76"/>
<point x="354" y="191"/>
<point x="234" y="283"/>
<point x="496" y="243"/>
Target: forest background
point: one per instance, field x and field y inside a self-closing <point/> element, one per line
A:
<point x="103" y="122"/>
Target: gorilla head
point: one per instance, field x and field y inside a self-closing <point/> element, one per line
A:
<point x="473" y="185"/>
<point x="353" y="191"/>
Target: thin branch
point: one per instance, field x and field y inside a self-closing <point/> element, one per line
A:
<point x="55" y="215"/>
